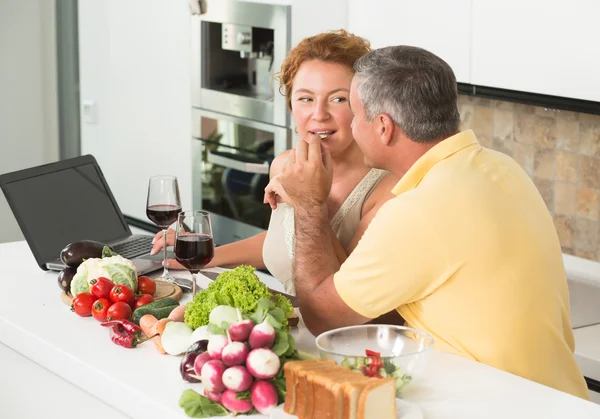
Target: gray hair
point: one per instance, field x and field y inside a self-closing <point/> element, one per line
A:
<point x="416" y="88"/>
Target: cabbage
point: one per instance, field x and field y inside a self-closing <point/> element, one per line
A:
<point x="116" y="268"/>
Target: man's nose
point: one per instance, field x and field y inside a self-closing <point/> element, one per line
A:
<point x="321" y="111"/>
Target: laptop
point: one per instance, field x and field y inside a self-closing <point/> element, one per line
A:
<point x="67" y="201"/>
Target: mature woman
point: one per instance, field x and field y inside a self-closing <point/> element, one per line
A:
<point x="316" y="78"/>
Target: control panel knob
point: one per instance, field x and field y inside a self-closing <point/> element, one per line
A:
<point x="244" y="38"/>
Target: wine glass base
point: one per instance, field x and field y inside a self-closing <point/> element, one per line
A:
<point x="167" y="277"/>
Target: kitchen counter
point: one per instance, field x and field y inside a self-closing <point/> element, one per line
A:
<point x="61" y="352"/>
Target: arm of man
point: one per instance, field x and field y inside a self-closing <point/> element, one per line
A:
<point x="399" y="260"/>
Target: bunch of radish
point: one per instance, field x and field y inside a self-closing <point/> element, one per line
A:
<point x="238" y="362"/>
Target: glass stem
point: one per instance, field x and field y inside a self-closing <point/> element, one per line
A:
<point x="165" y="271"/>
<point x="193" y="284"/>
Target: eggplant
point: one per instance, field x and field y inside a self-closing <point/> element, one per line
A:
<point x="198" y="347"/>
<point x="75" y="253"/>
<point x="186" y="367"/>
<point x="65" y="277"/>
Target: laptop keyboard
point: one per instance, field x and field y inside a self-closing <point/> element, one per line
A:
<point x="139" y="245"/>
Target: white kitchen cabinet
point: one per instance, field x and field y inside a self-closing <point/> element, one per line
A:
<point x="537" y="46"/>
<point x="442" y="27"/>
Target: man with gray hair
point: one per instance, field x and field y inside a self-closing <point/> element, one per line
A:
<point x="466" y="251"/>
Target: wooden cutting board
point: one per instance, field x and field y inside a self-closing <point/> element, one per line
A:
<point x="163" y="290"/>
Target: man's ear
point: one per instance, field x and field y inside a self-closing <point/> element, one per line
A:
<point x="386" y="128"/>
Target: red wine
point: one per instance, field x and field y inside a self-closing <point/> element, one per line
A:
<point x="194" y="251"/>
<point x="163" y="215"/>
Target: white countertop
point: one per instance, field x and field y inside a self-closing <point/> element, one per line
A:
<point x="587" y="350"/>
<point x="140" y="383"/>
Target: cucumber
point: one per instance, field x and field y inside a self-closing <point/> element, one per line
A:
<point x="159" y="309"/>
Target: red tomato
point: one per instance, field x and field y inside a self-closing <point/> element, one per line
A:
<point x="146" y="285"/>
<point x="122" y="293"/>
<point x="82" y="304"/>
<point x="119" y="311"/>
<point x="101" y="287"/>
<point x="100" y="309"/>
<point x="143" y="300"/>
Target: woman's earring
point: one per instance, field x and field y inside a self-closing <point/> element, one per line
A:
<point x="296" y="130"/>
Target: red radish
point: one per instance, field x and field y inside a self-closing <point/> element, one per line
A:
<point x="216" y="343"/>
<point x="230" y="401"/>
<point x="263" y="363"/>
<point x="262" y="336"/>
<point x="211" y="375"/>
<point x="264" y="396"/>
<point x="240" y="330"/>
<point x="199" y="362"/>
<point x="215" y="397"/>
<point x="235" y="353"/>
<point x="237" y="378"/>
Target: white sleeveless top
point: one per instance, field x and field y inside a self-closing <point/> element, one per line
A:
<point x="280" y="242"/>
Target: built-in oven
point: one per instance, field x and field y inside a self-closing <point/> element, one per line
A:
<point x="236" y="47"/>
<point x="231" y="161"/>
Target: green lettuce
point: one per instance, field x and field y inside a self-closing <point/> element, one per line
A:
<point x="239" y="288"/>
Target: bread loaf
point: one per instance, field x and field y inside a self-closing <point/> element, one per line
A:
<point x="323" y="390"/>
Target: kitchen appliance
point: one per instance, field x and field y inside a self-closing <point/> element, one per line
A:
<point x="236" y="47"/>
<point x="231" y="161"/>
<point x="240" y="121"/>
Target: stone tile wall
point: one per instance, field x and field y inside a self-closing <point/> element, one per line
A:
<point x="560" y="150"/>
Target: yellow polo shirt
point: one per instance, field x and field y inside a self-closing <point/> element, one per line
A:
<point x="467" y="252"/>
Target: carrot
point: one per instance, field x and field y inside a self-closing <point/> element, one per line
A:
<point x="159" y="327"/>
<point x="177" y="313"/>
<point x="147" y="322"/>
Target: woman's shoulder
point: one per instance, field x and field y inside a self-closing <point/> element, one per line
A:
<point x="278" y="163"/>
<point x="382" y="192"/>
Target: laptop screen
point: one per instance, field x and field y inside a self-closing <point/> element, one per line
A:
<point x="59" y="207"/>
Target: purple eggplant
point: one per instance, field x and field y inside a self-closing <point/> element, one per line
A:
<point x="198" y="347"/>
<point x="186" y="367"/>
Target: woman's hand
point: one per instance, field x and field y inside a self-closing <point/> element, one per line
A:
<point x="159" y="244"/>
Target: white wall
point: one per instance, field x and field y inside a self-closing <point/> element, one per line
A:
<point x="28" y="101"/>
<point x="134" y="64"/>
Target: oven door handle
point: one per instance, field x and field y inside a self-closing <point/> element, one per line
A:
<point x="242" y="166"/>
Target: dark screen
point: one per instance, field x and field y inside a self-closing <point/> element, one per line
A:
<point x="58" y="208"/>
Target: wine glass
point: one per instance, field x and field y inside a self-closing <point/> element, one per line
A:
<point x="194" y="245"/>
<point x="162" y="209"/>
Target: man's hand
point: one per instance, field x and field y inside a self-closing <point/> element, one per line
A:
<point x="306" y="177"/>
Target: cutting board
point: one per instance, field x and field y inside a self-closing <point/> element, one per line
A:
<point x="163" y="290"/>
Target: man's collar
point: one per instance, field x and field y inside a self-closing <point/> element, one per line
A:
<point x="435" y="154"/>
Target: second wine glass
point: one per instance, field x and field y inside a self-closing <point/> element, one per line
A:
<point x="194" y="245"/>
<point x="162" y="209"/>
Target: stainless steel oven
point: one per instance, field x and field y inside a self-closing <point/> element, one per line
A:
<point x="231" y="161"/>
<point x="236" y="47"/>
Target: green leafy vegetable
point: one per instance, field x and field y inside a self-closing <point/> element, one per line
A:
<point x="198" y="406"/>
<point x="238" y="288"/>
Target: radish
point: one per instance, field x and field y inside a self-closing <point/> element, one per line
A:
<point x="176" y="338"/>
<point x="264" y="396"/>
<point x="230" y="401"/>
<point x="235" y="353"/>
<point x="216" y="343"/>
<point x="262" y="335"/>
<point x="263" y="363"/>
<point x="199" y="362"/>
<point x="211" y="375"/>
<point x="237" y="378"/>
<point x="240" y="330"/>
<point x="215" y="397"/>
<point x="200" y="333"/>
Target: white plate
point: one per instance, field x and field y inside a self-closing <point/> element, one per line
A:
<point x="404" y="410"/>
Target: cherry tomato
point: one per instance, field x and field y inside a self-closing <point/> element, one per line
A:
<point x="100" y="309"/>
<point x="146" y="285"/>
<point x="101" y="287"/>
<point x="119" y="311"/>
<point x="122" y="293"/>
<point x="143" y="300"/>
<point x="82" y="304"/>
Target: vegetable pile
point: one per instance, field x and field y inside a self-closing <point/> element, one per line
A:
<point x="240" y="366"/>
<point x="238" y="288"/>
